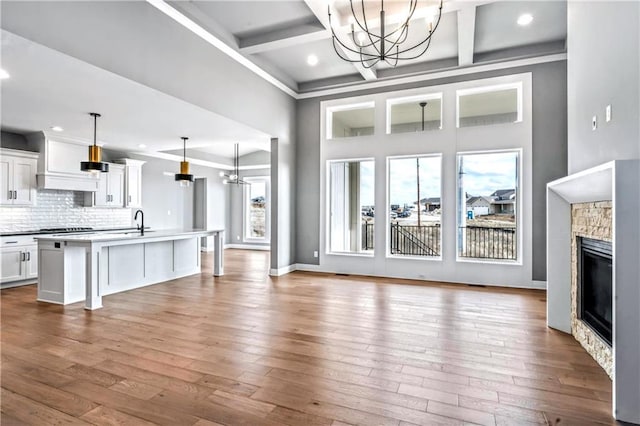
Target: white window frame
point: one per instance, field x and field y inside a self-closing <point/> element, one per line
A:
<point x="488" y="89"/>
<point x="407" y="99"/>
<point x="519" y="219"/>
<point x="331" y="110"/>
<point x="388" y="254"/>
<point x="328" y="208"/>
<point x="246" y="198"/>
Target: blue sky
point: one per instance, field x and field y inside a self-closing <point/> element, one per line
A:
<point x="483" y="174"/>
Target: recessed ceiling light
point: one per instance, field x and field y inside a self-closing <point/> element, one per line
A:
<point x="525" y="19"/>
<point x="142" y="146"/>
<point x="57" y="128"/>
<point x="312" y="60"/>
<point x="3" y="74"/>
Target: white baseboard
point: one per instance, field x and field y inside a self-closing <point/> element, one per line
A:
<point x="540" y="285"/>
<point x="247" y="247"/>
<point x="307" y="267"/>
<point x="282" y="271"/>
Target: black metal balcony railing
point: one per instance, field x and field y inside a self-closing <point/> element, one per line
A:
<point x="413" y="240"/>
<point x="476" y="241"/>
<point x="488" y="243"/>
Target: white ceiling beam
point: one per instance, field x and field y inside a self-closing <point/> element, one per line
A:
<point x="319" y="9"/>
<point x="466" y="34"/>
<point x="286" y="41"/>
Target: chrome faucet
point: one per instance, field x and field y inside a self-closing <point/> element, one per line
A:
<point x="135" y="217"/>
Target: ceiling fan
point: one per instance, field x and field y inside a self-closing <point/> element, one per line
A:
<point x="234" y="176"/>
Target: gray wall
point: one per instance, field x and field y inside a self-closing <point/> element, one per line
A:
<point x="13" y="141"/>
<point x="604" y="68"/>
<point x="549" y="153"/>
<point x="166" y="204"/>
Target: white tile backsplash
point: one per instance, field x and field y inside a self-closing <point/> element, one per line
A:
<point x="57" y="209"/>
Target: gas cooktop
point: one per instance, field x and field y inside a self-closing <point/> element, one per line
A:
<point x="68" y="229"/>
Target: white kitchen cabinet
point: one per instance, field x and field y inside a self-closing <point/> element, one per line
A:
<point x="12" y="264"/>
<point x="110" y="192"/>
<point x="18" y="177"/>
<point x="19" y="259"/>
<point x="132" y="182"/>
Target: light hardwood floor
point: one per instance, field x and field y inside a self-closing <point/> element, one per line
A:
<point x="302" y="349"/>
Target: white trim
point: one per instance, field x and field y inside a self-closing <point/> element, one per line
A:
<point x="282" y="271"/>
<point x="247" y="247"/>
<point x="219" y="44"/>
<point x="436" y="75"/>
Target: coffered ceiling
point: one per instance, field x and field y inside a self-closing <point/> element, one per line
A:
<point x="279" y="35"/>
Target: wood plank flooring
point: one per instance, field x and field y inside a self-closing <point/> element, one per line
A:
<point x="302" y="349"/>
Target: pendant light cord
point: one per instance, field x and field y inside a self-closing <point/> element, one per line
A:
<point x="184" y="148"/>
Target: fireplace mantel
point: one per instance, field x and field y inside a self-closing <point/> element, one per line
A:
<point x="619" y="182"/>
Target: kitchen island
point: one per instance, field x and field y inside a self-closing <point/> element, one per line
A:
<point x="88" y="266"/>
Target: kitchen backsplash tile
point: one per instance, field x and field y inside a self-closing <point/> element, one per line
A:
<point x="57" y="209"/>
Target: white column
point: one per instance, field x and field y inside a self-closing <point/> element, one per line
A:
<point x="218" y="254"/>
<point x="93" y="296"/>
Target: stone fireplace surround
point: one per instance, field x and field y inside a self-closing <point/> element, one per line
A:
<point x="591" y="220"/>
<point x="619" y="183"/>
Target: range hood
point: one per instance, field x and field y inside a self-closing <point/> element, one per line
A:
<point x="59" y="163"/>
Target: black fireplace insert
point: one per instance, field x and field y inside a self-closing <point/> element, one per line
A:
<point x="595" y="286"/>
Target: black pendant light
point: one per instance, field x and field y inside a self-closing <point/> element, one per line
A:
<point x="234" y="176"/>
<point x="95" y="165"/>
<point x="184" y="177"/>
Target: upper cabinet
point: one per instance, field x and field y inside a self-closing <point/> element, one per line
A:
<point x="17" y="177"/>
<point x="132" y="182"/>
<point x="110" y="191"/>
<point x="59" y="165"/>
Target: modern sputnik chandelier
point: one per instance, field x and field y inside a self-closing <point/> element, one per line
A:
<point x="373" y="42"/>
<point x="234" y="176"/>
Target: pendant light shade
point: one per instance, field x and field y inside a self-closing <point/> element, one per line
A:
<point x="184" y="177"/>
<point x="95" y="165"/>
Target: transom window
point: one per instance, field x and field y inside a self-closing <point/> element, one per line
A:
<point x="351" y="120"/>
<point x="414" y="113"/>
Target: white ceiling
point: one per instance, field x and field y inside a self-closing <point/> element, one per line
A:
<point x="48" y="88"/>
<point x="496" y="26"/>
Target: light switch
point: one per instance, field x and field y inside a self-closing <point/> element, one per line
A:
<point x="594" y="123"/>
<point x="608" y="113"/>
<point x="315" y="253"/>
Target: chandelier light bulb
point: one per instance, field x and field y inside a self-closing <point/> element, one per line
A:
<point x="361" y="38"/>
<point x="224" y="182"/>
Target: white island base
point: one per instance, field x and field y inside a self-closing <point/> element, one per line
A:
<point x="87" y="267"/>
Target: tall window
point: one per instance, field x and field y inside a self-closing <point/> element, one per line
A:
<point x="256" y="199"/>
<point x="488" y="197"/>
<point x="415" y="205"/>
<point x="351" y="206"/>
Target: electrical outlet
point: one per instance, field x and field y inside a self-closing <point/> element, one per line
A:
<point x="608" y="113"/>
<point x="315" y="253"/>
<point x="238" y="237"/>
<point x="168" y="212"/>
<point x="594" y="123"/>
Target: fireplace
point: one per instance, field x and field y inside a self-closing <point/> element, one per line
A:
<point x="595" y="286"/>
